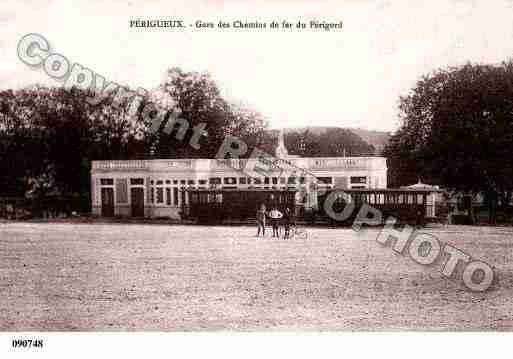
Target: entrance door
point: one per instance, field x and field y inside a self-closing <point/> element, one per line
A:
<point x="137" y="199"/>
<point x="107" y="202"/>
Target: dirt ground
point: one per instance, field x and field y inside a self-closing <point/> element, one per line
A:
<point x="56" y="276"/>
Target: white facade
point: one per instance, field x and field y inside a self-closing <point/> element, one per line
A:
<point x="153" y="188"/>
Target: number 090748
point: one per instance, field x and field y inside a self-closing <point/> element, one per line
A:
<point x="27" y="343"/>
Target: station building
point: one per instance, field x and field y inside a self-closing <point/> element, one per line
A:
<point x="157" y="188"/>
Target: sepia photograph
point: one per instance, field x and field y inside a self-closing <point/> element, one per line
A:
<point x="285" y="167"/>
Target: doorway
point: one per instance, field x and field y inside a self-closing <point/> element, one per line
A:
<point x="107" y="202"/>
<point x="137" y="200"/>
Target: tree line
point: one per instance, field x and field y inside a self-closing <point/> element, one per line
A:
<point x="50" y="135"/>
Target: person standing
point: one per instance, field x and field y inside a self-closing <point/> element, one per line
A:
<point x="288" y="221"/>
<point x="275" y="221"/>
<point x="260" y="217"/>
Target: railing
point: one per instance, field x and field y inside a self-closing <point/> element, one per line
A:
<point x="179" y="163"/>
<point x="241" y="164"/>
<point x="142" y="164"/>
<point x="347" y="162"/>
<point x="234" y="163"/>
<point x="120" y="165"/>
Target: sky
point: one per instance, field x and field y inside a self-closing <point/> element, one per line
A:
<point x="349" y="78"/>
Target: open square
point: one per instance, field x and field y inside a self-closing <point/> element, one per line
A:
<point x="64" y="276"/>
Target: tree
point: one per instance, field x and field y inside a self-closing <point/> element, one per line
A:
<point x="23" y="142"/>
<point x="197" y="98"/>
<point x="457" y="130"/>
<point x="250" y="126"/>
<point x="333" y="142"/>
<point x="51" y="135"/>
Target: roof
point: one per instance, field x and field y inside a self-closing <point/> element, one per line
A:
<point x="240" y="189"/>
<point x="389" y="190"/>
<point x="355" y="190"/>
<point x="420" y="185"/>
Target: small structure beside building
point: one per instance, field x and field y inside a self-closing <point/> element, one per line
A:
<point x="435" y="197"/>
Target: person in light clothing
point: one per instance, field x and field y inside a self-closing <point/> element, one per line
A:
<point x="275" y="221"/>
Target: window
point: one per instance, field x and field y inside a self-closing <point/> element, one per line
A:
<point x="182" y="181"/>
<point x="202" y="182"/>
<point x="168" y="196"/>
<point x="121" y="190"/>
<point x="107" y="182"/>
<point x="175" y="181"/>
<point x="230" y="180"/>
<point x="325" y="180"/>
<point x="136" y="181"/>
<point x="275" y="180"/>
<point x="168" y="181"/>
<point x="302" y="180"/>
<point x="160" y="182"/>
<point x="292" y="180"/>
<point x="215" y="180"/>
<point x="242" y="180"/>
<point x="266" y="180"/>
<point x="191" y="182"/>
<point x="160" y="195"/>
<point x="175" y="196"/>
<point x="257" y="181"/>
<point x="152" y="195"/>
<point x="360" y="179"/>
<point x="283" y="180"/>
